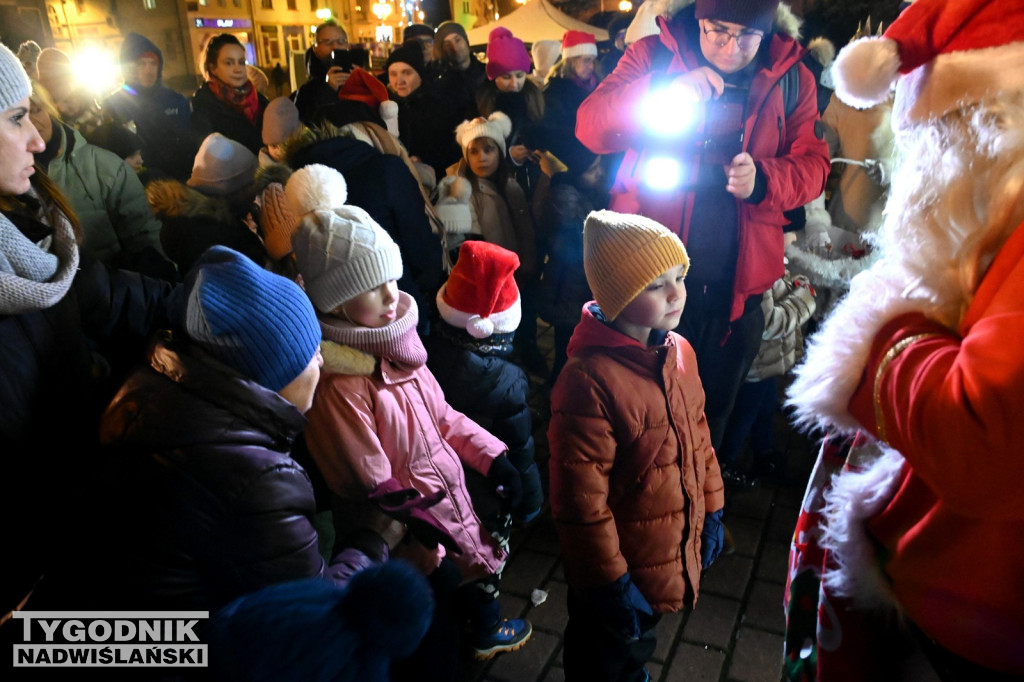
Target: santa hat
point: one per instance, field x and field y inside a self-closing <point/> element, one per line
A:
<point x="481" y="295"/>
<point x="578" y="44"/>
<point x="497" y="126"/>
<point x="362" y="86"/>
<point x="939" y="54"/>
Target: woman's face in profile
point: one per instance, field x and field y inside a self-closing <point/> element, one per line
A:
<point x="19" y="142"/>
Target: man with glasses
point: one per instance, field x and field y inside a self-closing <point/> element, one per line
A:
<point x="325" y="75"/>
<point x="752" y="150"/>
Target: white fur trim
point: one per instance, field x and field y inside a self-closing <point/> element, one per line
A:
<point x="581" y="50"/>
<point x="501" y="322"/>
<point x="838" y="353"/>
<point x="855" y="496"/>
<point x="315" y="188"/>
<point x="389" y="113"/>
<point x="952" y="79"/>
<point x="865" y="71"/>
<point x="645" y="22"/>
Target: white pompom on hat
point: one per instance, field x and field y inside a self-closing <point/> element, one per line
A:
<point x="315" y="187"/>
<point x="452" y="205"/>
<point x="481" y="295"/>
<point x="497" y="127"/>
<point x="939" y="54"/>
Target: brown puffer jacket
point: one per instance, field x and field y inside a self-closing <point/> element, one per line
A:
<point x="632" y="469"/>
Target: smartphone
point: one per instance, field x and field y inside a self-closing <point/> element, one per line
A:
<point x="726" y="116"/>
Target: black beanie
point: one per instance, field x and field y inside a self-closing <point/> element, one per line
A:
<point x="756" y="14"/>
<point x="411" y="54"/>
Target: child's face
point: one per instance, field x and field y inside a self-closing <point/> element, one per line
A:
<point x="374" y="308"/>
<point x="134" y="161"/>
<point x="276" y="152"/>
<point x="483" y="157"/>
<point x="659" y="306"/>
<point x="511" y="82"/>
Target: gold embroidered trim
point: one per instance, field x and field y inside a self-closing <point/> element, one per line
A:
<point x="891" y="355"/>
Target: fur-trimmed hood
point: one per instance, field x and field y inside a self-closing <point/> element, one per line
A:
<point x="645" y="22"/>
<point x="174" y="199"/>
<point x="342" y="359"/>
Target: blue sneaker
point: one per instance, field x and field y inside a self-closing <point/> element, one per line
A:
<point x="511" y="634"/>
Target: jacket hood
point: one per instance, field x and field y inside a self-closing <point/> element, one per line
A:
<point x="174" y="199"/>
<point x="135" y="45"/>
<point x="646" y="22"/>
<point x="342" y="359"/>
<point x="330" y="146"/>
<point x="593" y="332"/>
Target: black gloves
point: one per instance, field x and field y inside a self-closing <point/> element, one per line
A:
<point x="508" y="483"/>
<point x="411" y="508"/>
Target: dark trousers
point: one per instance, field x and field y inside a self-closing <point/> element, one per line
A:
<point x="753" y="414"/>
<point x="725" y="351"/>
<point x="594" y="653"/>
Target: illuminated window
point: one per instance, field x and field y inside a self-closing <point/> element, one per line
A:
<point x="267" y="4"/>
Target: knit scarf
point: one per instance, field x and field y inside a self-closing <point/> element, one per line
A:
<point x="588" y="84"/>
<point x="245" y="100"/>
<point x="35" y="276"/>
<point x="396" y="342"/>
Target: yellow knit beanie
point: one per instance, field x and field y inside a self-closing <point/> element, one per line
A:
<point x="623" y="253"/>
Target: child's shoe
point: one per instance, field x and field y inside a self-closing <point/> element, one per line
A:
<point x="509" y="635"/>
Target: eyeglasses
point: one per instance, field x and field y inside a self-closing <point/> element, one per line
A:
<point x="746" y="41"/>
<point x="340" y="42"/>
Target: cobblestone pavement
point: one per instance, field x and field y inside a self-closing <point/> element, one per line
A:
<point x="734" y="634"/>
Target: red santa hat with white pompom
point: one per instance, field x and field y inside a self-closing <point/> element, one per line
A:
<point x="481" y="295"/>
<point x="940" y="54"/>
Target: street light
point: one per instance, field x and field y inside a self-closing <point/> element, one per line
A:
<point x="625" y="6"/>
<point x="323" y="14"/>
<point x="381" y="10"/>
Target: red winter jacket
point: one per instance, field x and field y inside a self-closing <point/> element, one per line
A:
<point x="789" y="152"/>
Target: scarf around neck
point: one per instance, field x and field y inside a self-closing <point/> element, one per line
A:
<point x="245" y="100"/>
<point x="397" y="342"/>
<point x="35" y="276"/>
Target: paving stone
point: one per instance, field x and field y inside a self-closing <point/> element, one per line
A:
<point x="746" y="533"/>
<point x="754" y="503"/>
<point x="773" y="562"/>
<point x="728" y="577"/>
<point x="757" y="656"/>
<point x="655" y="670"/>
<point x="712" y="621"/>
<point x="543" y="537"/>
<point x="527" y="571"/>
<point x="764" y="607"/>
<point x="782" y="523"/>
<point x="694" y="663"/>
<point x="551" y="615"/>
<point x="666" y="632"/>
<point x="527" y="663"/>
<point x="555" y="674"/>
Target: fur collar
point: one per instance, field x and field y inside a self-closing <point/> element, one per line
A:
<point x="174" y="199"/>
<point x="342" y="359"/>
<point x="645" y="22"/>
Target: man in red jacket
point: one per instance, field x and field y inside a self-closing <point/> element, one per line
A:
<point x="752" y="150"/>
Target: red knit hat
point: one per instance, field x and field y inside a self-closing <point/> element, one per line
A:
<point x="939" y="54"/>
<point x="505" y="53"/>
<point x="362" y="86"/>
<point x="578" y="44"/>
<point x="481" y="295"/>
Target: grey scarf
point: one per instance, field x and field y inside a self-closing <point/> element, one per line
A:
<point x="35" y="276"/>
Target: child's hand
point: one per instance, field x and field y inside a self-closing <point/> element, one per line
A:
<point x="712" y="539"/>
<point x="550" y="165"/>
<point x="519" y="153"/>
<point x="508" y="482"/>
<point x="618" y="604"/>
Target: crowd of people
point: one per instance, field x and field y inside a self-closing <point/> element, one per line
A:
<point x="271" y="358"/>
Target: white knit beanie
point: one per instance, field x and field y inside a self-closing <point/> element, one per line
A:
<point x="497" y="126"/>
<point x="14" y="83"/>
<point x="340" y="251"/>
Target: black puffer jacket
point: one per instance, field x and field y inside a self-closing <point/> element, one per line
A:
<point x="211" y="115"/>
<point x="200" y="480"/>
<point x="478" y="380"/>
<point x="52" y="391"/>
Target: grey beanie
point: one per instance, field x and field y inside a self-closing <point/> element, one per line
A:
<point x="340" y="250"/>
<point x="222" y="166"/>
<point x="14" y="83"/>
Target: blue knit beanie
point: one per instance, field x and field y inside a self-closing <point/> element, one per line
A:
<point x="258" y="323"/>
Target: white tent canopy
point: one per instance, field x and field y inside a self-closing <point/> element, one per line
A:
<point x="536" y="20"/>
